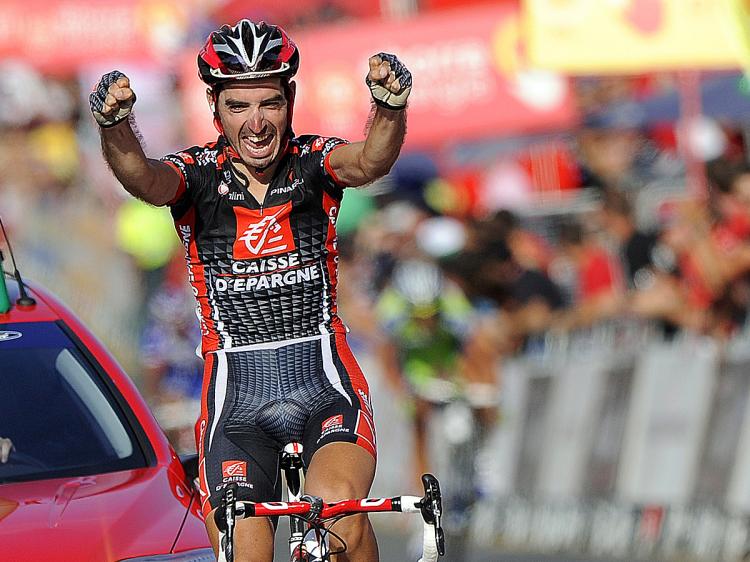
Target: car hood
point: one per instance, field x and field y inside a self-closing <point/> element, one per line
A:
<point x="103" y="517"/>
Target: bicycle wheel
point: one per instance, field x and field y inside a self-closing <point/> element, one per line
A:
<point x="461" y="439"/>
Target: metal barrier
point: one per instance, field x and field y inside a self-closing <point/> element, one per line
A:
<point x="616" y="442"/>
<point x="630" y="444"/>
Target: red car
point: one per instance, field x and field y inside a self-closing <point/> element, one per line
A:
<point x="90" y="476"/>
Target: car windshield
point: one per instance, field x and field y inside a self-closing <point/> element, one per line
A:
<point x="56" y="410"/>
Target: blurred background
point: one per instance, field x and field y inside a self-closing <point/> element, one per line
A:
<point x="549" y="293"/>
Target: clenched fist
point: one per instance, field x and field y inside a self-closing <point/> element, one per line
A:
<point x="389" y="81"/>
<point x="112" y="99"/>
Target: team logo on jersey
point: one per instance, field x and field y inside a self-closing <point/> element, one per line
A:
<point x="263" y="232"/>
<point x="234" y="470"/>
<point x="207" y="156"/>
<point x="318" y="143"/>
<point x="188" y="159"/>
<point x="223" y="188"/>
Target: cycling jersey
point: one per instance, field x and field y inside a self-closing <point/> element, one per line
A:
<point x="261" y="270"/>
<point x="428" y="342"/>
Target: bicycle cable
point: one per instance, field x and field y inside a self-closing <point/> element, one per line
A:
<point x="326" y="531"/>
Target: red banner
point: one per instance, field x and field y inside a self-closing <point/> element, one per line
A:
<point x="59" y="36"/>
<point x="299" y="12"/>
<point x="469" y="80"/>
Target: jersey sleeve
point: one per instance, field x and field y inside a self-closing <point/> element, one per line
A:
<point x="185" y="163"/>
<point x="316" y="162"/>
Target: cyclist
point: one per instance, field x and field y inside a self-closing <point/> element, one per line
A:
<point x="256" y="211"/>
<point x="425" y="322"/>
<point x="430" y="356"/>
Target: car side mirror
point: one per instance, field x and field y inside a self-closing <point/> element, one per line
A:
<point x="190" y="465"/>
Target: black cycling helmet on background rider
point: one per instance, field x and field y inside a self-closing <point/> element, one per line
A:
<point x="248" y="51"/>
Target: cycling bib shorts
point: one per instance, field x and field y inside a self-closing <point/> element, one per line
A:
<point x="259" y="398"/>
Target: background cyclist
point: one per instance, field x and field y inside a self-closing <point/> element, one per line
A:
<point x="256" y="212"/>
<point x="425" y="322"/>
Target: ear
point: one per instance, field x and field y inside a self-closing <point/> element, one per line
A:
<point x="211" y="99"/>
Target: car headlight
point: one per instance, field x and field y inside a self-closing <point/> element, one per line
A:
<point x="200" y="555"/>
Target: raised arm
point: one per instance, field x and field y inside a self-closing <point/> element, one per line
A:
<point x="362" y="162"/>
<point x="150" y="180"/>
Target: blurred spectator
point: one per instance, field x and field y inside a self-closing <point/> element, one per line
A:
<point x="636" y="247"/>
<point x="529" y="250"/>
<point x="598" y="285"/>
<point x="147" y="235"/>
<point x="172" y="370"/>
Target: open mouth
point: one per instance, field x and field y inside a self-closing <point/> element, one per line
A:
<point x="258" y="146"/>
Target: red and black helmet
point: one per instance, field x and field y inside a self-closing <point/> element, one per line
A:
<point x="247" y="51"/>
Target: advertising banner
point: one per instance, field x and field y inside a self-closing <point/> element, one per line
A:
<point x="667" y="420"/>
<point x="469" y="80"/>
<point x="58" y="36"/>
<point x="591" y="36"/>
<point x="571" y="426"/>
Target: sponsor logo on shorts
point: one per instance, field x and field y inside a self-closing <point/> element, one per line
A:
<point x="366" y="401"/>
<point x="234" y="470"/>
<point x="333" y="421"/>
<point x="334" y="424"/>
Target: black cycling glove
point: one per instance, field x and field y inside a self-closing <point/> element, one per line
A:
<point x="97" y="97"/>
<point x="382" y="95"/>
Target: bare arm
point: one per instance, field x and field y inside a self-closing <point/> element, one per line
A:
<point x="150" y="180"/>
<point x="362" y="162"/>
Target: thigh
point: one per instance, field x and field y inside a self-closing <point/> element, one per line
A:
<point x="253" y="539"/>
<point x="340" y="471"/>
<point x="228" y="453"/>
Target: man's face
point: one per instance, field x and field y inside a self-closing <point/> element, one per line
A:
<point x="254" y="117"/>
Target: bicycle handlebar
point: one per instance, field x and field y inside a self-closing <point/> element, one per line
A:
<point x="404" y="504"/>
<point x="429" y="506"/>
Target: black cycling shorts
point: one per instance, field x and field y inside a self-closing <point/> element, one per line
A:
<point x="258" y="398"/>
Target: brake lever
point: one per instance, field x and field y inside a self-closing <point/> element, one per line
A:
<point x="432" y="509"/>
<point x="225" y="519"/>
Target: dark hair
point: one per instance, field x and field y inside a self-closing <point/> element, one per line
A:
<point x="570" y="232"/>
<point x="722" y="172"/>
<point x="617" y="202"/>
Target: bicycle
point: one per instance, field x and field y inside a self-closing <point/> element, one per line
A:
<point x="460" y="428"/>
<point x="309" y="537"/>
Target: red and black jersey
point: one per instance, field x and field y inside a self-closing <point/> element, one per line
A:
<point x="261" y="271"/>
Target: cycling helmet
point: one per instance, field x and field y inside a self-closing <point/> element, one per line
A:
<point x="247" y="51"/>
<point x="420" y="283"/>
